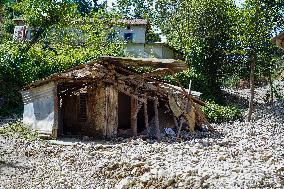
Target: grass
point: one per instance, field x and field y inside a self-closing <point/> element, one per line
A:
<point x="19" y="130"/>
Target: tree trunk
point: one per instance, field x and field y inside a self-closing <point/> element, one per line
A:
<point x="252" y="69"/>
<point x="271" y="86"/>
<point x="252" y="66"/>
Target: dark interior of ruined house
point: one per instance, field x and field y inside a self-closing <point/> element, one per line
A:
<point x="75" y="114"/>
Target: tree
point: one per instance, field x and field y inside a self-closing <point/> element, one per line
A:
<point x="87" y="6"/>
<point x="258" y="21"/>
<point x="202" y="31"/>
<point x="138" y="9"/>
<point x="62" y="38"/>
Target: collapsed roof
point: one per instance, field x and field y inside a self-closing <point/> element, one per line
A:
<point x="97" y="68"/>
<point x="120" y="73"/>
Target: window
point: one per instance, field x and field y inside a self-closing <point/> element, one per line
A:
<point x="128" y="37"/>
<point x="83" y="107"/>
<point x="111" y="37"/>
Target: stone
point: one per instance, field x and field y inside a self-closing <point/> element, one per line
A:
<point x="124" y="183"/>
<point x="145" y="177"/>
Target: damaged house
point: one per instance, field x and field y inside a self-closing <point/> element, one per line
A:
<point x="106" y="98"/>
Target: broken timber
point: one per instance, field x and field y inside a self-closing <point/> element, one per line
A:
<point x="103" y="81"/>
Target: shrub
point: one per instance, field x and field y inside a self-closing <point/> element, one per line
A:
<point x="199" y="83"/>
<point x="20" y="130"/>
<point x="216" y="113"/>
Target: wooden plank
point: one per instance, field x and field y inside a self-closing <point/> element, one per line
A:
<point x="156" y="63"/>
<point x="157" y="124"/>
<point x="134" y="108"/>
<point x="112" y="108"/>
<point x="56" y="112"/>
<point x="146" y="119"/>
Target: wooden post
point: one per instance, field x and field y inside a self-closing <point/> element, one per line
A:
<point x="189" y="87"/>
<point x="112" y="114"/>
<point x="56" y="111"/>
<point x="157" y="124"/>
<point x="176" y="122"/>
<point x="146" y="119"/>
<point x="179" y="129"/>
<point x="134" y="107"/>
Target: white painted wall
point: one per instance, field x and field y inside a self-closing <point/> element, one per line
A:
<point x="39" y="108"/>
<point x="155" y="50"/>
<point x="138" y="31"/>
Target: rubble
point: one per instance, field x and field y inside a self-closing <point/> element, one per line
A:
<point x="241" y="155"/>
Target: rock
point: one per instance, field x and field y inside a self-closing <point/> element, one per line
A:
<point x="124" y="183"/>
<point x="154" y="171"/>
<point x="243" y="155"/>
<point x="145" y="177"/>
<point x="222" y="158"/>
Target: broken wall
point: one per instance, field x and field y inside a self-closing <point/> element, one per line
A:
<point x="39" y="108"/>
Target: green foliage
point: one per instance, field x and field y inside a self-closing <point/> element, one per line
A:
<point x="87" y="6"/>
<point x="10" y="100"/>
<point x="231" y="81"/>
<point x="62" y="38"/>
<point x="258" y="21"/>
<point x="202" y="31"/>
<point x="19" y="130"/>
<point x="152" y="37"/>
<point x="142" y="69"/>
<point x="217" y="114"/>
<point x="139" y="9"/>
<point x="199" y="82"/>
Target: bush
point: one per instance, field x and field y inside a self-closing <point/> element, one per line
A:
<point x="19" y="130"/>
<point x="216" y="113"/>
<point x="199" y="83"/>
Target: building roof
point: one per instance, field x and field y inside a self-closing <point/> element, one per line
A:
<point x="279" y="40"/>
<point x="99" y="68"/>
<point x="133" y="21"/>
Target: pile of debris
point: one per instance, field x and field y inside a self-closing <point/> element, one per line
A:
<point x="106" y="85"/>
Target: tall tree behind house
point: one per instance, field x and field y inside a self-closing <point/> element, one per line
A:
<point x="257" y="23"/>
<point x="203" y="31"/>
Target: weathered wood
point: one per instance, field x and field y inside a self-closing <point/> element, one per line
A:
<point x="177" y="111"/>
<point x="175" y="65"/>
<point x="112" y="112"/>
<point x="129" y="92"/>
<point x="154" y="73"/>
<point x="181" y="121"/>
<point x="97" y="110"/>
<point x="176" y="122"/>
<point x="56" y="112"/>
<point x="146" y="119"/>
<point x="190" y="111"/>
<point x="157" y="124"/>
<point x="134" y="107"/>
<point x="189" y="87"/>
<point x="190" y="118"/>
